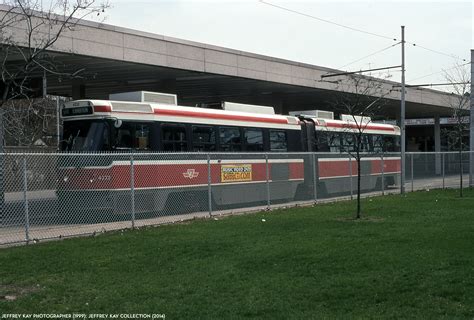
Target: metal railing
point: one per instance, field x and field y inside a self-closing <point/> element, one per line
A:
<point x="55" y="195"/>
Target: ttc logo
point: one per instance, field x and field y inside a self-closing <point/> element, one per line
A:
<point x="190" y="174"/>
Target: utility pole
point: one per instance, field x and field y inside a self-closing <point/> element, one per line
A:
<point x="471" y="127"/>
<point x="402" y="118"/>
<point x="58" y="132"/>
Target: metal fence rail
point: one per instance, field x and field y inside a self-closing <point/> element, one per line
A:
<point x="55" y="195"/>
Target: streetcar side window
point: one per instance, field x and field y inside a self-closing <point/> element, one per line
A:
<point x="321" y="142"/>
<point x="365" y="145"/>
<point x="391" y="143"/>
<point x="142" y="136"/>
<point x="377" y="143"/>
<point x="131" y="135"/>
<point x="124" y="138"/>
<point x="253" y="139"/>
<point x="278" y="141"/>
<point x="334" y="141"/>
<point x="229" y="139"/>
<point x="174" y="138"/>
<point x="348" y="142"/>
<point x="204" y="138"/>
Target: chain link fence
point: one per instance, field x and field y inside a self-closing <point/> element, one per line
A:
<point x="56" y="195"/>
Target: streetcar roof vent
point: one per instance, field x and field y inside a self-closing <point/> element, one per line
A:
<point x="131" y="107"/>
<point x="321" y="114"/>
<point x="358" y="119"/>
<point x="250" y="108"/>
<point x="145" y="96"/>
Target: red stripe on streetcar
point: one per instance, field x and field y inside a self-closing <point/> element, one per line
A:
<point x="153" y="176"/>
<point x="350" y="125"/>
<point x="328" y="169"/>
<point x="336" y="168"/>
<point x="389" y="165"/>
<point x="185" y="113"/>
<point x="296" y="170"/>
<point x="102" y="109"/>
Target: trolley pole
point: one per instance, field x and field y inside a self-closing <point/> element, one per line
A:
<point x="402" y="118"/>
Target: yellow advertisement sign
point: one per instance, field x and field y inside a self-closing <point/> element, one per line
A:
<point x="236" y="173"/>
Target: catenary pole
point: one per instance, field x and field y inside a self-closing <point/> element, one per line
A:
<point x="471" y="127"/>
<point x="402" y="118"/>
<point x="58" y="132"/>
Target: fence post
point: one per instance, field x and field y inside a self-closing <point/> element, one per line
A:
<point x="268" y="180"/>
<point x="442" y="167"/>
<point x="471" y="166"/>
<point x="2" y="177"/>
<point x="209" y="182"/>
<point x="461" y="173"/>
<point x="411" y="169"/>
<point x="25" y="200"/>
<point x="350" y="177"/>
<point x="132" y="188"/>
<point x="383" y="176"/>
<point x="315" y="190"/>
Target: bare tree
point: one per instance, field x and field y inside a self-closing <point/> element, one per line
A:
<point x="459" y="101"/>
<point x="30" y="121"/>
<point x="29" y="30"/>
<point x="359" y="98"/>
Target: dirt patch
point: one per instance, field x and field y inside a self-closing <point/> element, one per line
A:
<point x="11" y="292"/>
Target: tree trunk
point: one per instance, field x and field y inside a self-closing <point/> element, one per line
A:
<point x="2" y="165"/>
<point x="460" y="170"/>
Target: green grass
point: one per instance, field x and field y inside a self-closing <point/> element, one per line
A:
<point x="412" y="257"/>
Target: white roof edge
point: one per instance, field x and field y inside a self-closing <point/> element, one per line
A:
<point x="177" y="107"/>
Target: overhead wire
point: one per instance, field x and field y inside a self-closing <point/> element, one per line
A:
<point x="359" y="30"/>
<point x="370" y="55"/>
<point x="328" y="21"/>
<point x="443" y="70"/>
<point x="436" y="51"/>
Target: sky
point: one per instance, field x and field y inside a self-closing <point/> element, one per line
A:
<point x="253" y="26"/>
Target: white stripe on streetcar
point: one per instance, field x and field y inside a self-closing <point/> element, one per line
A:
<point x="187" y="186"/>
<point x="187" y="162"/>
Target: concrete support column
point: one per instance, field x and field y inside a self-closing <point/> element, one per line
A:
<point x="277" y="103"/>
<point x="471" y="128"/>
<point x="78" y="90"/>
<point x="437" y="144"/>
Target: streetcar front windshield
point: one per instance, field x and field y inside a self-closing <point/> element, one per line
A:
<point x="84" y="135"/>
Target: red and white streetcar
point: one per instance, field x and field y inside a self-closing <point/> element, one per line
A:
<point x="177" y="152"/>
